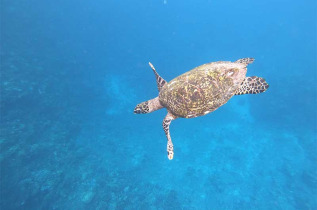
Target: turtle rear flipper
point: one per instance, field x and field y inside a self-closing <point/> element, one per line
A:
<point x="159" y="80"/>
<point x="252" y="85"/>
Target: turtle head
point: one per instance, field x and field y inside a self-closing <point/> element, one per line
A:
<point x="148" y="106"/>
<point x="142" y="108"/>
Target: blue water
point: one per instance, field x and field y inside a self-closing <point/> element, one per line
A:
<point x="73" y="71"/>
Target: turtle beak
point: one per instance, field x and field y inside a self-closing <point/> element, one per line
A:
<point x="137" y="110"/>
<point x="141" y="108"/>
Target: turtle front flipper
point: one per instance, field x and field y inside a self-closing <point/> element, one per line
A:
<point x="166" y="126"/>
<point x="159" y="80"/>
<point x="245" y="60"/>
<point x="252" y="85"/>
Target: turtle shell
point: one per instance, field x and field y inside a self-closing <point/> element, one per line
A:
<point x="203" y="89"/>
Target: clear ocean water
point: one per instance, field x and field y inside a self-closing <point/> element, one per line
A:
<point x="73" y="71"/>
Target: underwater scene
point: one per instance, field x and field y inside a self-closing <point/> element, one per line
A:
<point x="73" y="73"/>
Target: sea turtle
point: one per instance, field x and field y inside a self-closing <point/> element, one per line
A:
<point x="201" y="91"/>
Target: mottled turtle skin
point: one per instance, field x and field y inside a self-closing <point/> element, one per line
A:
<point x="203" y="89"/>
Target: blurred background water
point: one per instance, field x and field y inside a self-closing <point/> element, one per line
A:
<point x="72" y="72"/>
